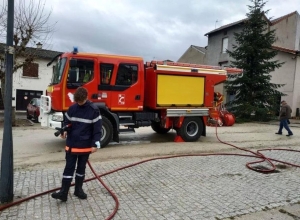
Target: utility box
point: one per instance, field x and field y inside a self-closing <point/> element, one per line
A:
<point x="181" y="87"/>
<point x="180" y="91"/>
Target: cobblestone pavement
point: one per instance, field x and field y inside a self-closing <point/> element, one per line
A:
<point x="195" y="187"/>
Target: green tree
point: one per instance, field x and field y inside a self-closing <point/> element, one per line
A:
<point x="254" y="54"/>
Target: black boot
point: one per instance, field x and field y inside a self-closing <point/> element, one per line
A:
<point x="78" y="188"/>
<point x="63" y="193"/>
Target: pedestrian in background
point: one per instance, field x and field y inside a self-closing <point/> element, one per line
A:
<point x="284" y="115"/>
<point x="83" y="133"/>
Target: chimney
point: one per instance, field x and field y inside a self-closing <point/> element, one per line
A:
<point x="39" y="45"/>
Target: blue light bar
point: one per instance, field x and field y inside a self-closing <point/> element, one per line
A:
<point x="75" y="50"/>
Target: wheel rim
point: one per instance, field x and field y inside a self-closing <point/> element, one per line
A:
<point x="103" y="133"/>
<point x="192" y="128"/>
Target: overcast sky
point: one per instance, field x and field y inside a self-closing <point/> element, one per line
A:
<point x="153" y="29"/>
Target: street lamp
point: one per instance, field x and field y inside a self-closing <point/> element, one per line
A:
<point x="7" y="175"/>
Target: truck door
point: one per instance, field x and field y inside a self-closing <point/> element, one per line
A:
<point x="104" y="88"/>
<point x="127" y="92"/>
<point x="85" y="70"/>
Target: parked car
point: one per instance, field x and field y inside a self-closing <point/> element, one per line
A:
<point x="33" y="109"/>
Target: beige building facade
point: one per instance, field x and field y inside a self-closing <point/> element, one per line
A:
<point x="194" y="54"/>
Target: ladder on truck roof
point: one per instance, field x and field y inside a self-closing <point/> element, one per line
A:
<point x="188" y="67"/>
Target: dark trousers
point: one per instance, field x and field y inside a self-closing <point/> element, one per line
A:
<point x="284" y="124"/>
<point x="71" y="161"/>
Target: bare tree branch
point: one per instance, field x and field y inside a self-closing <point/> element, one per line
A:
<point x="3" y="13"/>
<point x="31" y="26"/>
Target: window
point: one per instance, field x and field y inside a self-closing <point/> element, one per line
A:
<point x="31" y="70"/>
<point x="225" y="45"/>
<point x="106" y="71"/>
<point x="58" y="70"/>
<point x="127" y="74"/>
<point x="84" y="71"/>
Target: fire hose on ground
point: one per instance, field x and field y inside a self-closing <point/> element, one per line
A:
<point x="262" y="158"/>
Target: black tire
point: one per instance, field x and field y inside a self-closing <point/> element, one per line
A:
<point x="35" y="118"/>
<point x="158" y="129"/>
<point x="191" y="129"/>
<point x="28" y="116"/>
<point x="107" y="132"/>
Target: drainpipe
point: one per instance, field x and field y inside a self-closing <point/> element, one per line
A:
<point x="297" y="54"/>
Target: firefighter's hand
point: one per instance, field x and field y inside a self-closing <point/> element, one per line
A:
<point x="98" y="145"/>
<point x="64" y="135"/>
<point x="94" y="149"/>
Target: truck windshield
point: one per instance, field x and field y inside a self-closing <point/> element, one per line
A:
<point x="58" y="70"/>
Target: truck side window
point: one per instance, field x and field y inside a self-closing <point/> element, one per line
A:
<point x="106" y="71"/>
<point x="127" y="74"/>
<point x="85" y="71"/>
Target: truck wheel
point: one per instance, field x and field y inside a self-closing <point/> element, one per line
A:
<point x="107" y="132"/>
<point x="191" y="129"/>
<point x="28" y="116"/>
<point x="35" y="118"/>
<point x="158" y="129"/>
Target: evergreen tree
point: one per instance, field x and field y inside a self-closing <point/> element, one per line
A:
<point x="253" y="53"/>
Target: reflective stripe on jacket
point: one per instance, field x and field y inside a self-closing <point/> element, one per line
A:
<point x="78" y="150"/>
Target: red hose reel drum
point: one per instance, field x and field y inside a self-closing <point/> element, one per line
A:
<point x="221" y="116"/>
<point x="228" y="119"/>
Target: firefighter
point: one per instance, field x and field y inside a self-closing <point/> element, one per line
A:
<point x="83" y="132"/>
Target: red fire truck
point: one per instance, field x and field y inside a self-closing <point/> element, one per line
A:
<point x="132" y="94"/>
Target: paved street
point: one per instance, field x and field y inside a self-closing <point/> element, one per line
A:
<point x="180" y="188"/>
<point x="194" y="187"/>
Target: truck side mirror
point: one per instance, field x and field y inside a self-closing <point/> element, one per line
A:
<point x="73" y="63"/>
<point x="72" y="76"/>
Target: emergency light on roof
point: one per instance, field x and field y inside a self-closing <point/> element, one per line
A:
<point x="75" y="50"/>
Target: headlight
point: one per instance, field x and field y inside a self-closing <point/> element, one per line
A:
<point x="57" y="117"/>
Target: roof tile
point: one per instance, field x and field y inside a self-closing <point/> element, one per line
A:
<point x="38" y="52"/>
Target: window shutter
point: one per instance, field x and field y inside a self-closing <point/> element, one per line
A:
<point x="31" y="70"/>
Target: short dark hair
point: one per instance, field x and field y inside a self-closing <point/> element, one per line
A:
<point x="80" y="94"/>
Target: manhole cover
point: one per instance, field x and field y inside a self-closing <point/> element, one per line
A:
<point x="262" y="168"/>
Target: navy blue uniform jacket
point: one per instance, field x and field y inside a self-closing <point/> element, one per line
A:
<point x="86" y="124"/>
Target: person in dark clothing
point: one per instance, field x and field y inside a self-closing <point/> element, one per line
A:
<point x="83" y="133"/>
<point x="284" y="115"/>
